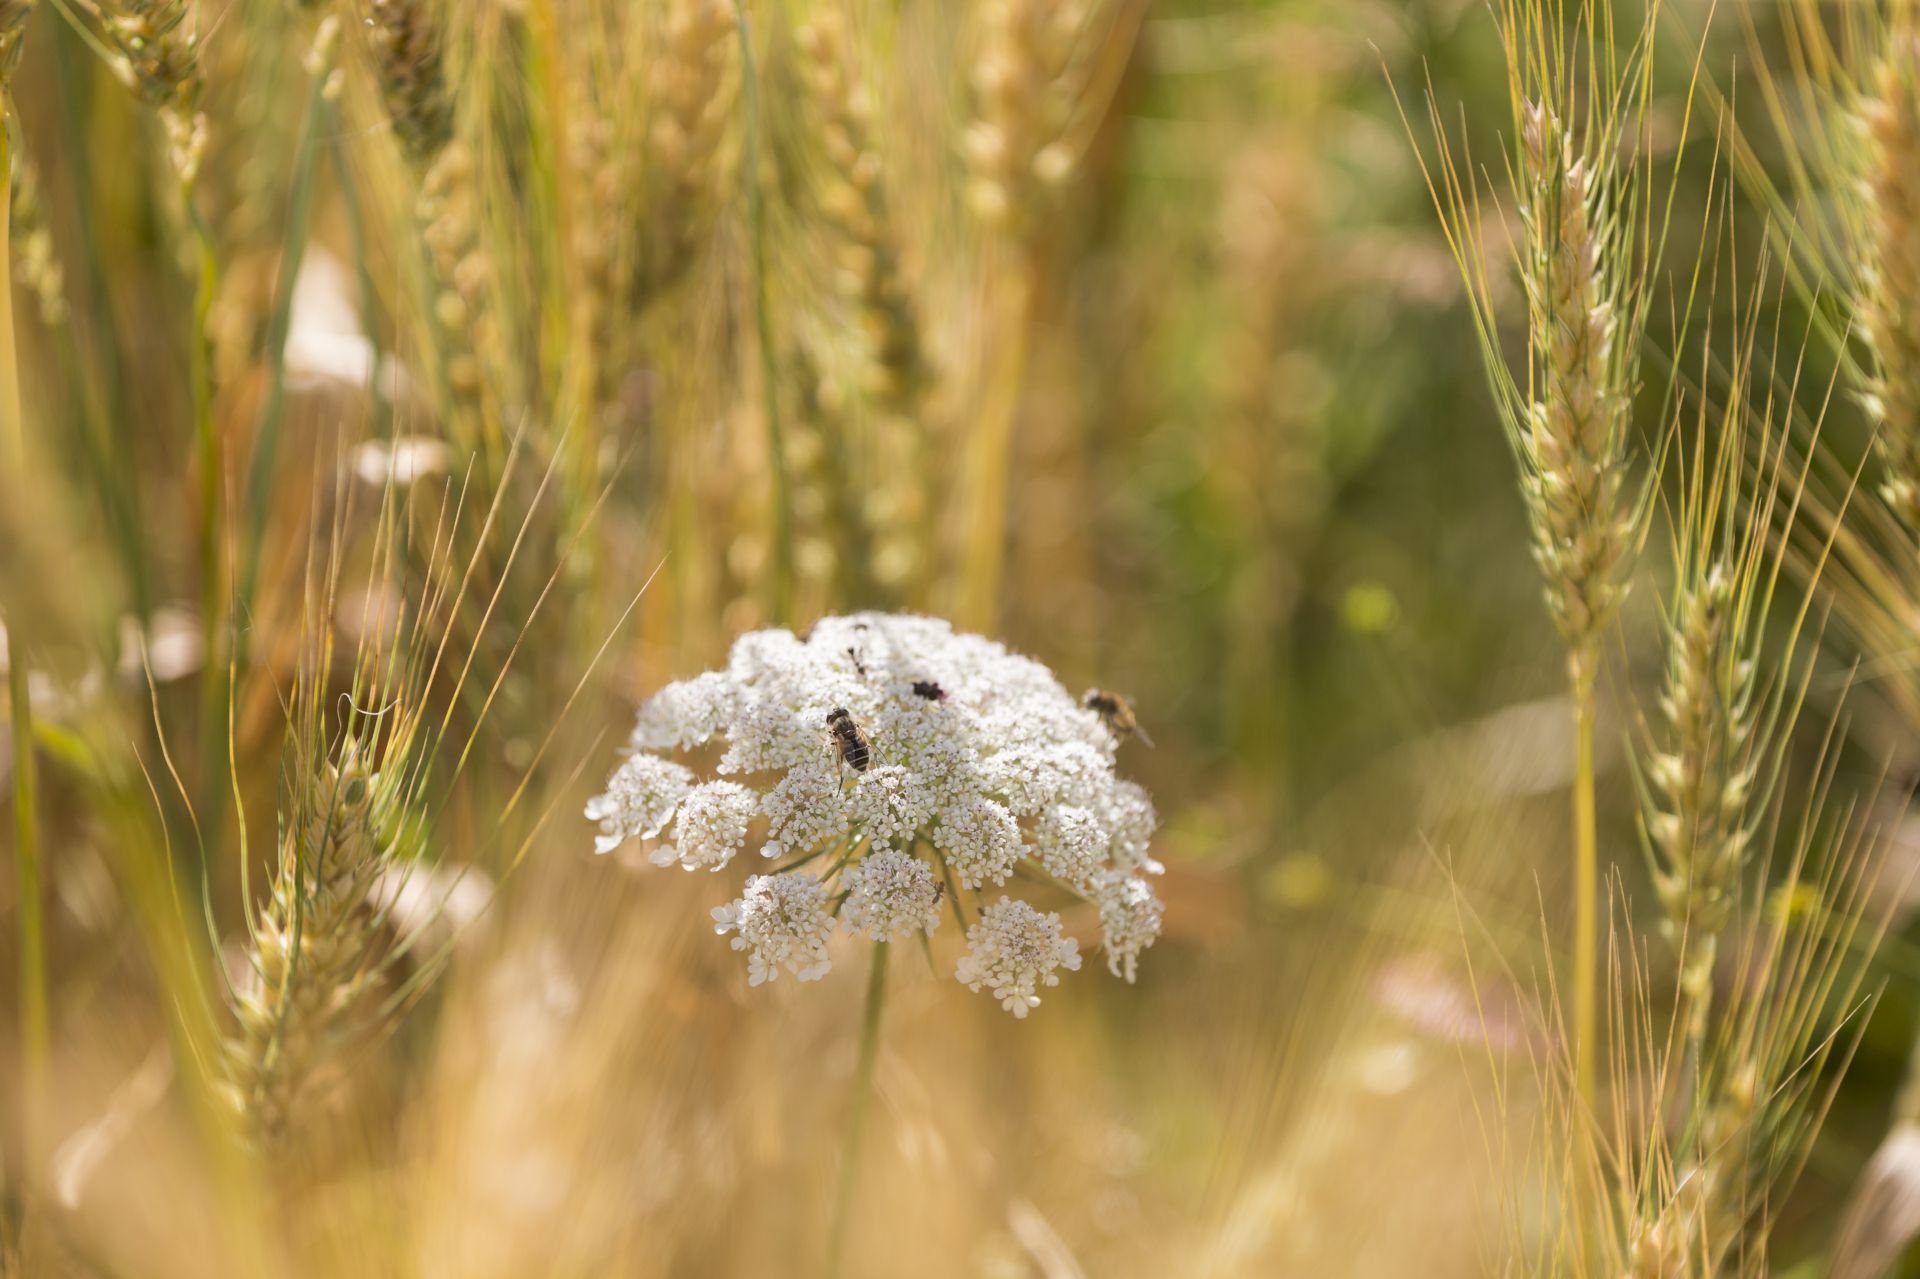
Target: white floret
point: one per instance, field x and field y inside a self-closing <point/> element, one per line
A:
<point x="981" y="841"/>
<point x="1014" y="950"/>
<point x="891" y="895"/>
<point x="639" y="800"/>
<point x="1130" y="918"/>
<point x="710" y="827"/>
<point x="781" y="922"/>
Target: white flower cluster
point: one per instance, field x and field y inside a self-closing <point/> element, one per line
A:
<point x="967" y="761"/>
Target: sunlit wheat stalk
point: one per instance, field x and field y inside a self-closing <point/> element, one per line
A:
<point x="1014" y="151"/>
<point x="1574" y="453"/>
<point x="780" y="580"/>
<point x="1889" y="300"/>
<point x="870" y="275"/>
<point x="35" y="1035"/>
<point x="409" y="57"/>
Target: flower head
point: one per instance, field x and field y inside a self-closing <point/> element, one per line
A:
<point x="639" y="800"/>
<point x="710" y="827"/>
<point x="781" y="922"/>
<point x="891" y="896"/>
<point x="1129" y="922"/>
<point x="976" y="760"/>
<point x="1014" y="950"/>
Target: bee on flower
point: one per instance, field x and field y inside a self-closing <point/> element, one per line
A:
<point x="891" y="770"/>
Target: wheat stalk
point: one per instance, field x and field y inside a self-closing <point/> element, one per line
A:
<point x="1889" y="291"/>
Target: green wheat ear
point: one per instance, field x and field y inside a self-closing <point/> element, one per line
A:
<point x="1593" y="234"/>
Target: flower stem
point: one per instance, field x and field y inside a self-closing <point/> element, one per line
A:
<point x="1586" y="876"/>
<point x="857" y="1114"/>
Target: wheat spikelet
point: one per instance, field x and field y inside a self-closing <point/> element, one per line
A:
<point x="1027" y="88"/>
<point x="449" y="221"/>
<point x="160" y="60"/>
<point x="1890" y="289"/>
<point x="686" y="114"/>
<point x="409" y="58"/>
<point x="13" y="21"/>
<point x="315" y="949"/>
<point x="1702" y="777"/>
<point x="409" y="64"/>
<point x="39" y="267"/>
<point x="1575" y="433"/>
<point x="869" y="273"/>
<point x="596" y="231"/>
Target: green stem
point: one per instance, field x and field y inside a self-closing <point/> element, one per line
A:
<point x="206" y="437"/>
<point x="782" y="581"/>
<point x="35" y="1038"/>
<point x="1586" y="881"/>
<point x="857" y="1114"/>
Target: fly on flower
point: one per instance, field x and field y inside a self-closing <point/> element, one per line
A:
<point x="960" y="782"/>
<point x="1117" y="712"/>
<point x="855" y="751"/>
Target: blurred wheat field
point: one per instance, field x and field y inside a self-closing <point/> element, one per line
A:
<point x="466" y="462"/>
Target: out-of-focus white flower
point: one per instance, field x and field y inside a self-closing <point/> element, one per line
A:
<point x="1129" y="922"/>
<point x="402" y="460"/>
<point x="710" y="826"/>
<point x="978" y="760"/>
<point x="324" y="340"/>
<point x="781" y="922"/>
<point x="891" y="895"/>
<point x="639" y="800"/>
<point x="1014" y="950"/>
